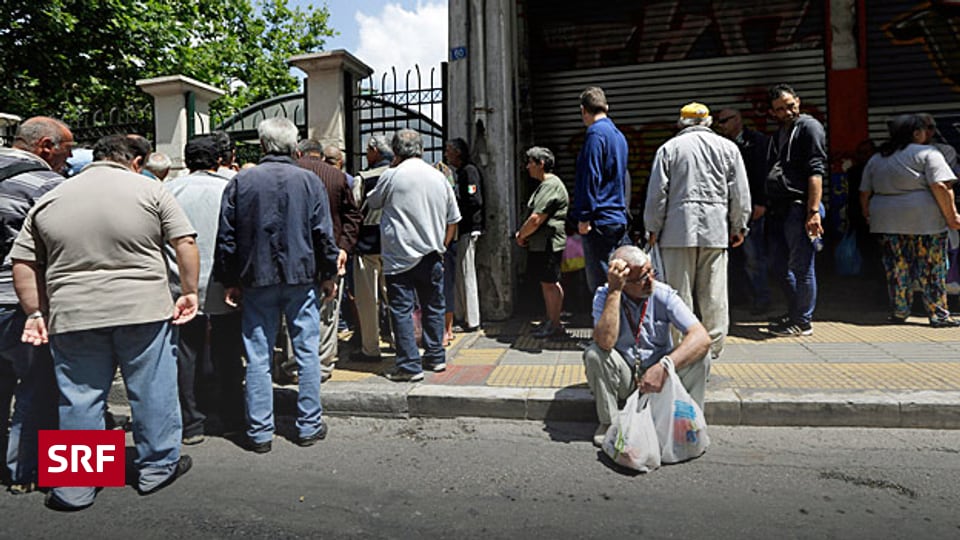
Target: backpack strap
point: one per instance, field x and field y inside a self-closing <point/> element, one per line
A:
<point x="19" y="167"/>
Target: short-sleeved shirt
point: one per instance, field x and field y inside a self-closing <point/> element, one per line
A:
<point x="100" y="238"/>
<point x="418" y="204"/>
<point x="550" y="198"/>
<point x="902" y="202"/>
<point x="199" y="195"/>
<point x="663" y="307"/>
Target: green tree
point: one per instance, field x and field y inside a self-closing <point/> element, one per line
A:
<point x="69" y="57"/>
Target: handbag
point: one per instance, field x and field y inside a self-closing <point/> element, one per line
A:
<point x="679" y="421"/>
<point x="847" y="256"/>
<point x="631" y="441"/>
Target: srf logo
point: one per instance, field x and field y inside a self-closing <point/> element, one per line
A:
<point x="81" y="458"/>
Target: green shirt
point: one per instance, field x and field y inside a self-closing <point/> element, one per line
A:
<point x="549" y="198"/>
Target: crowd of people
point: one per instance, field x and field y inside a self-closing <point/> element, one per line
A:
<point x="209" y="272"/>
<point x="194" y="275"/>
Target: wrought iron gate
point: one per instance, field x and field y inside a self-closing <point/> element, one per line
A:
<point x="391" y="106"/>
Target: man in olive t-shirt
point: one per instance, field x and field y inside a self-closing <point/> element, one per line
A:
<point x="90" y="273"/>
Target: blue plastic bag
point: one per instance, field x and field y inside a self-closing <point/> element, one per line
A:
<point x="847" y="256"/>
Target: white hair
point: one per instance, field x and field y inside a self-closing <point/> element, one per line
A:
<point x="706" y="121"/>
<point x="278" y="136"/>
<point x="633" y="255"/>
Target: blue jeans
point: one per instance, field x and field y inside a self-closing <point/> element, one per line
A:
<point x="755" y="262"/>
<point x="449" y="275"/>
<point x="423" y="281"/>
<point x="28" y="377"/>
<point x="84" y="363"/>
<point x="598" y="244"/>
<point x="792" y="259"/>
<point x="261" y="320"/>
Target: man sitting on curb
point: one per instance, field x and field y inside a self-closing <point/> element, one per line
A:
<point x="632" y="314"/>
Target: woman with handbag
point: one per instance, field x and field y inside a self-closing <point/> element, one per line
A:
<point x="907" y="197"/>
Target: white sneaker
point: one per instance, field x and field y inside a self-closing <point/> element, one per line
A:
<point x="600" y="434"/>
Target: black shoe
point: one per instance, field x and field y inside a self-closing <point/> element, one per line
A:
<point x="54" y="503"/>
<point x="791" y="330"/>
<point x="258" y="448"/>
<point x="463" y="329"/>
<point x="945" y="322"/>
<point x="896" y="319"/>
<point x="365" y="358"/>
<point x="312" y="440"/>
<point x="399" y="375"/>
<point x="780" y="319"/>
<point x="183" y="466"/>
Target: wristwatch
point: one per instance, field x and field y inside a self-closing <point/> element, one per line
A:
<point x="35" y="315"/>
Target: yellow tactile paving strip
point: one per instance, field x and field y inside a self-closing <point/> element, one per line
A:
<point x="537" y="376"/>
<point x="838" y="332"/>
<point x="478" y="357"/>
<point x="894" y="376"/>
<point x="898" y="376"/>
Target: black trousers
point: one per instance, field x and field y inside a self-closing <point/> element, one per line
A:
<point x="210" y="372"/>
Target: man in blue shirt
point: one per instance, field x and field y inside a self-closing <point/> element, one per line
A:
<point x="599" y="197"/>
<point x="632" y="315"/>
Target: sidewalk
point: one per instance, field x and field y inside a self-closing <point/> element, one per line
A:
<point x="867" y="374"/>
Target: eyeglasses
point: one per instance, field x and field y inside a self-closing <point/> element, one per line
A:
<point x="642" y="278"/>
<point x="724" y="120"/>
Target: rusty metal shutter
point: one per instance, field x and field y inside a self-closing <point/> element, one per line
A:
<point x="913" y="63"/>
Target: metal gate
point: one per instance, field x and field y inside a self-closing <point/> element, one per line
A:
<point x="88" y="128"/>
<point x="389" y="107"/>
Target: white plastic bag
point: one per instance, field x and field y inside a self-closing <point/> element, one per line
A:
<point x="631" y="440"/>
<point x="681" y="426"/>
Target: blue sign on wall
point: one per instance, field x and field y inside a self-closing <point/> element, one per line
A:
<point x="458" y="53"/>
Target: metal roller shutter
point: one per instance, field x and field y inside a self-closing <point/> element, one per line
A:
<point x="653" y="57"/>
<point x="645" y="100"/>
<point x="913" y="63"/>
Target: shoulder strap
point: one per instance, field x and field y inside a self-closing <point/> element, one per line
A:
<point x="19" y="167"/>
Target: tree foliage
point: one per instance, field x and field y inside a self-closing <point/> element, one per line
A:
<point x="69" y="57"/>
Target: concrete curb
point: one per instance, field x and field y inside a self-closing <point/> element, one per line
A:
<point x="932" y="410"/>
<point x="726" y="407"/>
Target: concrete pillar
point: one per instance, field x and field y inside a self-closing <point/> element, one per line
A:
<point x="482" y="80"/>
<point x="333" y="77"/>
<point x="175" y="97"/>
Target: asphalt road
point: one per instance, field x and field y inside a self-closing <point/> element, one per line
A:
<point x="470" y="478"/>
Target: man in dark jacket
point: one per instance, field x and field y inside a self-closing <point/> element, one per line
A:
<point x="275" y="238"/>
<point x="469" y="191"/>
<point x="798" y="158"/>
<point x="753" y="252"/>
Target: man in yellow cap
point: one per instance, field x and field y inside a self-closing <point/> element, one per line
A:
<point x="698" y="204"/>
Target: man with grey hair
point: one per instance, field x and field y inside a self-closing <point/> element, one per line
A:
<point x="698" y="204"/>
<point x="27" y="171"/>
<point x="632" y="314"/>
<point x="157" y="166"/>
<point x="371" y="286"/>
<point x="275" y="240"/>
<point x="419" y="219"/>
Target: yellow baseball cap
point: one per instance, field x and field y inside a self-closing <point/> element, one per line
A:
<point x="694" y="110"/>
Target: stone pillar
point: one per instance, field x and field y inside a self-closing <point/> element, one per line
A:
<point x="8" y="127"/>
<point x="482" y="80"/>
<point x="333" y="77"/>
<point x="181" y="109"/>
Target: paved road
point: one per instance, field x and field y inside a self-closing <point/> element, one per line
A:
<point x="471" y="478"/>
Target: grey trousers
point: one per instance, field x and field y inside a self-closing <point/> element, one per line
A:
<point x="329" y="319"/>
<point x="611" y="379"/>
<point x="700" y="277"/>
<point x="466" y="306"/>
